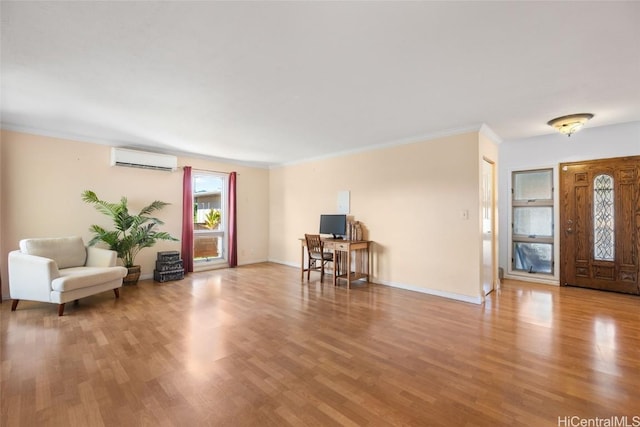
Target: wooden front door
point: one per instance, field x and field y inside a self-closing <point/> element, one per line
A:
<point x="600" y="224"/>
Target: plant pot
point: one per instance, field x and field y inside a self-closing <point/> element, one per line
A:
<point x="133" y="274"/>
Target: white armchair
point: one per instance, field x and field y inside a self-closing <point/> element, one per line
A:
<point x="59" y="270"/>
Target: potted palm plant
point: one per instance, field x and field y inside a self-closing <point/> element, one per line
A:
<point x="133" y="232"/>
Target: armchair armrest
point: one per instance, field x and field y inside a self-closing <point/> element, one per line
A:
<point x="98" y="257"/>
<point x="30" y="276"/>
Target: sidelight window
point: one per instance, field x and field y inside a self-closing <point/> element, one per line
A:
<point x="532" y="221"/>
<point x="603" y="218"/>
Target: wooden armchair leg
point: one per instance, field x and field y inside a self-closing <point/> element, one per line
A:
<point x="117" y="292"/>
<point x="14" y="304"/>
<point x="60" y="309"/>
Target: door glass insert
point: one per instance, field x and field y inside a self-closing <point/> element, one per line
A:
<point x="603" y="218"/>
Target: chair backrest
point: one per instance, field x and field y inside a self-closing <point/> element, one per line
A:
<point x="65" y="251"/>
<point x="314" y="244"/>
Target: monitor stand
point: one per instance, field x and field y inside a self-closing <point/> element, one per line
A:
<point x="337" y="237"/>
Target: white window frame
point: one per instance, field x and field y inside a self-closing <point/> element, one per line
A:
<point x="221" y="232"/>
<point x="552" y="279"/>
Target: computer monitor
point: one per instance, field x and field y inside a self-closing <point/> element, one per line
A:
<point x="335" y="225"/>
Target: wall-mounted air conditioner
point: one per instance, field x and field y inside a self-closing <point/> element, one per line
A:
<point x="143" y="159"/>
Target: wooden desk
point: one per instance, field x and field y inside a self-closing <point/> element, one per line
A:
<point x="342" y="250"/>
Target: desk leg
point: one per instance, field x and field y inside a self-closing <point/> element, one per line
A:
<point x="302" y="264"/>
<point x="359" y="271"/>
<point x="336" y="266"/>
<point x="349" y="269"/>
<point x="367" y="261"/>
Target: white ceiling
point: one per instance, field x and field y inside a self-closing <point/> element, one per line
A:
<point x="277" y="82"/>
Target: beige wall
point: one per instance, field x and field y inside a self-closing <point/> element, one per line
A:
<point x="409" y="197"/>
<point x="42" y="178"/>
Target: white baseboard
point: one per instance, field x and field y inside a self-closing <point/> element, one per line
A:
<point x="435" y="292"/>
<point x="252" y="261"/>
<point x="533" y="279"/>
<point x="289" y="264"/>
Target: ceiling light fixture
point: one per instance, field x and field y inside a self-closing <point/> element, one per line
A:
<point x="571" y="123"/>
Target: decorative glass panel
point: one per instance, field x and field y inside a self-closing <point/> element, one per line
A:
<point x="533" y="221"/>
<point x="533" y="257"/>
<point x="603" y="218"/>
<point x="534" y="185"/>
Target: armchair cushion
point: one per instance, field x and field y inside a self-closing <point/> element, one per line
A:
<point x="82" y="277"/>
<point x="65" y="251"/>
<point x="98" y="257"/>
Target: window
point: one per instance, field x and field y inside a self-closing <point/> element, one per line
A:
<point x="209" y="219"/>
<point x="532" y="221"/>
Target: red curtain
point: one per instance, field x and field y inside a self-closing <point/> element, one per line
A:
<point x="187" y="220"/>
<point x="233" y="240"/>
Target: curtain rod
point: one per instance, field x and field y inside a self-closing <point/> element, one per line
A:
<point x="208" y="170"/>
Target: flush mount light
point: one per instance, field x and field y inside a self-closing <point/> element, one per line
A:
<point x="571" y="123"/>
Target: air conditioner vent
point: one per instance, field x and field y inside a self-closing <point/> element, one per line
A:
<point x="143" y="159"/>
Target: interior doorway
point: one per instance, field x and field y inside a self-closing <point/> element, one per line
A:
<point x="599" y="224"/>
<point x="488" y="226"/>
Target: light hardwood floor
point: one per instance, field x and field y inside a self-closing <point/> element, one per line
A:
<point x="254" y="346"/>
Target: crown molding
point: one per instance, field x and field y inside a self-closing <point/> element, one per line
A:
<point x="487" y="132"/>
<point x="122" y="144"/>
<point x="483" y="129"/>
<point x="373" y="147"/>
